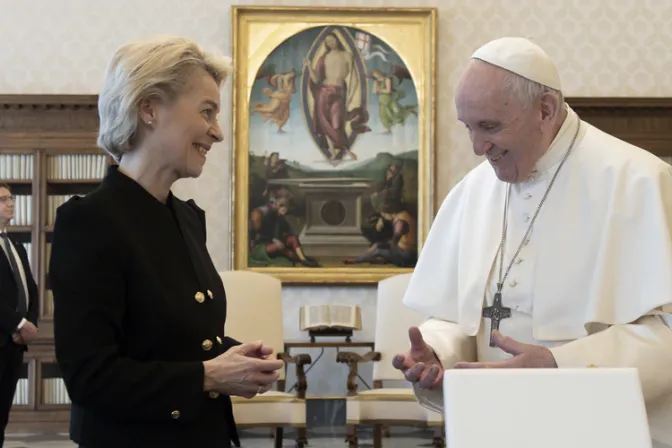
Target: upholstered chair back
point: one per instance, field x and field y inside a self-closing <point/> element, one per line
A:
<point x="393" y="319"/>
<point x="254" y="309"/>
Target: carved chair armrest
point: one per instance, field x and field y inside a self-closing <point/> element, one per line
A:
<point x="353" y="360"/>
<point x="299" y="361"/>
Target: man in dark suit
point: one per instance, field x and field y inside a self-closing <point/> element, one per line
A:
<point x="18" y="308"/>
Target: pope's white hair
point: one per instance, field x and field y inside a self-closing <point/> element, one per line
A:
<point x="526" y="90"/>
<point x="159" y="67"/>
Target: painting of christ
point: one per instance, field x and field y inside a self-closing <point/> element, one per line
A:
<point x="335" y="93"/>
<point x="332" y="170"/>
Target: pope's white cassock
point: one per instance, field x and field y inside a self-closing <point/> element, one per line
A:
<point x="593" y="281"/>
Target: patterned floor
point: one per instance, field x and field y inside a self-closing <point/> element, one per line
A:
<point x="318" y="438"/>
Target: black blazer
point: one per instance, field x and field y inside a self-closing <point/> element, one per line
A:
<point x="9" y="295"/>
<point x="138" y="306"/>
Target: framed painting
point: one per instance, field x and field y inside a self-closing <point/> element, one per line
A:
<point x="333" y="141"/>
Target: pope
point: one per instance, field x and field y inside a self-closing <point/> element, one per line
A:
<point x="555" y="252"/>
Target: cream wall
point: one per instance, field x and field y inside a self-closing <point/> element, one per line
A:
<point x="602" y="48"/>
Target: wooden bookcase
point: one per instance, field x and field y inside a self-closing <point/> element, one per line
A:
<point x="47" y="153"/>
<point x="40" y="127"/>
<point x="644" y="122"/>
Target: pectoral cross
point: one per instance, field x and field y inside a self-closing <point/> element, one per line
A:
<point x="496" y="312"/>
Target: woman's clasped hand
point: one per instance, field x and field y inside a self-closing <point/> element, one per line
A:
<point x="244" y="370"/>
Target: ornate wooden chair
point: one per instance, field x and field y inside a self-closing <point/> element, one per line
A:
<point x="254" y="312"/>
<point x="383" y="406"/>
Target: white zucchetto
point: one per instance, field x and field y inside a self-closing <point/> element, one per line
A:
<point x="521" y="56"/>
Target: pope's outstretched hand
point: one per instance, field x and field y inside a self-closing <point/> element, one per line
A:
<point x="524" y="356"/>
<point x="420" y="364"/>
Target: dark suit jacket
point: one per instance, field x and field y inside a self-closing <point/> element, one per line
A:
<point x="9" y="295"/>
<point x="138" y="307"/>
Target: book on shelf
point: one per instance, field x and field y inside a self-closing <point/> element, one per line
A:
<point x="54" y="391"/>
<point x="53" y="202"/>
<point x="16" y="167"/>
<point x="48" y="303"/>
<point x="21" y="395"/>
<point x="76" y="167"/>
<point x="330" y="316"/>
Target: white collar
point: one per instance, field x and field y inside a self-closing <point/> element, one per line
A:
<point x="560" y="144"/>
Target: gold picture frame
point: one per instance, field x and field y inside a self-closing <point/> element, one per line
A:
<point x="334" y="115"/>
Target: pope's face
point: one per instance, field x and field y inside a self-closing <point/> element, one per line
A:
<point x="504" y="129"/>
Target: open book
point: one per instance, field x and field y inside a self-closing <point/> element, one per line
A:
<point x="330" y="316"/>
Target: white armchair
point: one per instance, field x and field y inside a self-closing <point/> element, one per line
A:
<point x="254" y="312"/>
<point x="383" y="406"/>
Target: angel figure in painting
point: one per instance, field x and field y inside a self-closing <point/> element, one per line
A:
<point x="336" y="104"/>
<point x="277" y="109"/>
<point x="387" y="88"/>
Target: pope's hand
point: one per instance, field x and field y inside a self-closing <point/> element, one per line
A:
<point x="420" y="364"/>
<point x="524" y="356"/>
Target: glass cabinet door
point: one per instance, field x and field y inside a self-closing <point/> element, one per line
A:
<point x="53" y="392"/>
<point x="22" y="396"/>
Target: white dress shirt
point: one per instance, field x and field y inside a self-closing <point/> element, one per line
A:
<point x="22" y="272"/>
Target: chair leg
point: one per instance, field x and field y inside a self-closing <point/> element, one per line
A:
<point x="301" y="437"/>
<point x="279" y="433"/>
<point x="377" y="435"/>
<point x="438" y="441"/>
<point x="351" y="437"/>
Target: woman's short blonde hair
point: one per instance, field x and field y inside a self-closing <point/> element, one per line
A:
<point x="155" y="67"/>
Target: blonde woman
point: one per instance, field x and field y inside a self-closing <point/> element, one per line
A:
<point x="139" y="306"/>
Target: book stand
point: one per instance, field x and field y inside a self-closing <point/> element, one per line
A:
<point x="330" y="333"/>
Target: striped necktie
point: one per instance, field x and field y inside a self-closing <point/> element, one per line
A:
<point x="22" y="305"/>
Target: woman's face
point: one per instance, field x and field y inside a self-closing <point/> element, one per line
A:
<point x="186" y="128"/>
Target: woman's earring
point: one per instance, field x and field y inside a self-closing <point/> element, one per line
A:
<point x="149" y="123"/>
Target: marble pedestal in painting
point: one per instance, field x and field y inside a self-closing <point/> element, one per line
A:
<point x="333" y="226"/>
